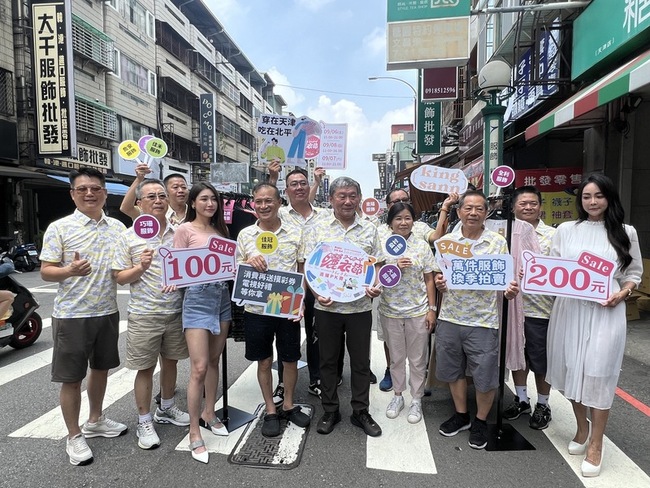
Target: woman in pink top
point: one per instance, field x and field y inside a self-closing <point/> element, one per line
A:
<point x="206" y="317"/>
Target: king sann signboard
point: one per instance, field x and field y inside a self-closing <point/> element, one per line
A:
<point x="53" y="76"/>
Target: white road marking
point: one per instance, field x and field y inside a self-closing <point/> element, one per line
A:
<point x="51" y="425"/>
<point x="28" y="365"/>
<point x="401" y="447"/>
<point x="616" y="465"/>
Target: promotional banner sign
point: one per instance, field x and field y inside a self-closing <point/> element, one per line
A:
<point x="281" y="293"/>
<point x="287" y="139"/>
<point x="340" y="271"/>
<point x="56" y="131"/>
<point x="207" y="129"/>
<point x="465" y="271"/>
<point x="197" y="265"/>
<point x="439" y="180"/>
<point x="333" y="146"/>
<point x="587" y="278"/>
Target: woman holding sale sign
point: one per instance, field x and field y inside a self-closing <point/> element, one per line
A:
<point x="586" y="339"/>
<point x="206" y="317"/>
<point x="407" y="308"/>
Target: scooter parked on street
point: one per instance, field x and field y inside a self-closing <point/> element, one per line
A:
<point x="24" y="256"/>
<point x="27" y="325"/>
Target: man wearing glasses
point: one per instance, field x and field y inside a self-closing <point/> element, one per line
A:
<point x="154" y="318"/>
<point x="78" y="253"/>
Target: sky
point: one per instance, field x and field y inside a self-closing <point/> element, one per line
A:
<point x="320" y="53"/>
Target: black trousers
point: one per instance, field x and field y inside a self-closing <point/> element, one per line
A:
<point x="354" y="329"/>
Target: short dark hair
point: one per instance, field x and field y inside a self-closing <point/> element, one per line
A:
<point x="388" y="195"/>
<point x="89" y="172"/>
<point x="526" y="189"/>
<point x="397" y="208"/>
<point x="472" y="193"/>
<point x="263" y="184"/>
<point x="297" y="171"/>
<point x="174" y="175"/>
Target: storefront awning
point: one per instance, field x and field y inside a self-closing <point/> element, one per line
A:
<point x="111" y="188"/>
<point x="632" y="76"/>
<point x="17" y="172"/>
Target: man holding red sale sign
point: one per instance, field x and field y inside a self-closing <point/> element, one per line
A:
<point x="273" y="244"/>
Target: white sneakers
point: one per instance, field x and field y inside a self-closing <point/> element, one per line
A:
<point x="103" y="428"/>
<point x="172" y="415"/>
<point x="415" y="412"/>
<point x="396" y="405"/>
<point x="78" y="451"/>
<point x="147" y="436"/>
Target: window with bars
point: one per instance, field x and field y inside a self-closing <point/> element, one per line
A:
<point x="7" y="101"/>
<point x="95" y="118"/>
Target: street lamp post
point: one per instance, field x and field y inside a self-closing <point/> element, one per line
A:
<point x="493" y="78"/>
<point x="415" y="98"/>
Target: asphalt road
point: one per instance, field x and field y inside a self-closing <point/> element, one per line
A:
<point x="32" y="449"/>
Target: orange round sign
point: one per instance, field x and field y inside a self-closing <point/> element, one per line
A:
<point x="370" y="206"/>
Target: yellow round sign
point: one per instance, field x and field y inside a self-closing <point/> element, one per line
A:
<point x="266" y="243"/>
<point x="129" y="150"/>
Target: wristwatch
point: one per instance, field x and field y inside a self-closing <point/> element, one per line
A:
<point x="433" y="308"/>
<point x="629" y="293"/>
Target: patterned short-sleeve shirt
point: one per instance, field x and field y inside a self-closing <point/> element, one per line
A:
<point x="361" y="233"/>
<point x="94" y="295"/>
<point x="147" y="297"/>
<point x="284" y="258"/>
<point x="474" y="308"/>
<point x="409" y="298"/>
<point x="539" y="306"/>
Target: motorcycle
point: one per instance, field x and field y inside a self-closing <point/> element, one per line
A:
<point x="27" y="324"/>
<point x="24" y="256"/>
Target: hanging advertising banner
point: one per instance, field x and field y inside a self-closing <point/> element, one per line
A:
<point x="207" y="128"/>
<point x="427" y="34"/>
<point x="53" y="78"/>
<point x="528" y="95"/>
<point x="429" y="125"/>
<point x="439" y="84"/>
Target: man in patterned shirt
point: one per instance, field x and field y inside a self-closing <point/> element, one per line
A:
<point x="352" y="321"/>
<point x="527" y="202"/>
<point x="467" y="334"/>
<point x="78" y="253"/>
<point x="261" y="329"/>
<point x="154" y="316"/>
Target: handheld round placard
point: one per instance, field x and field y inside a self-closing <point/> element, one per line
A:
<point x="146" y="226"/>
<point x="266" y="242"/>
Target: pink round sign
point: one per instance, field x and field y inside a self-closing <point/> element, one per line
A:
<point x="312" y="149"/>
<point x="146" y="226"/>
<point x="503" y="176"/>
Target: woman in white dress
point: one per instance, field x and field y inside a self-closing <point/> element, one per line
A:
<point x="586" y="340"/>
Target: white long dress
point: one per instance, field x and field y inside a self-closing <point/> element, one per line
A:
<point x="586" y="341"/>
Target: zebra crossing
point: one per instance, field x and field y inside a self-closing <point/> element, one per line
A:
<point x="403" y="447"/>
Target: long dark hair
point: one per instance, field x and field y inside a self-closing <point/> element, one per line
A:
<point x="397" y="208"/>
<point x="614" y="216"/>
<point x="217" y="221"/>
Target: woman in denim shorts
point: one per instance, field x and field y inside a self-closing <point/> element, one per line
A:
<point x="206" y="317"/>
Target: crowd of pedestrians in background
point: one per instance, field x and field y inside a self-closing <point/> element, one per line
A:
<point x="572" y="345"/>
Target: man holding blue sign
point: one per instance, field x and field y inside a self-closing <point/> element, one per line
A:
<point x="272" y="244"/>
<point x="338" y="313"/>
<point x="467" y="333"/>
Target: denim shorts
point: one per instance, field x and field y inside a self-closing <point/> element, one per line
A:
<point x="205" y="306"/>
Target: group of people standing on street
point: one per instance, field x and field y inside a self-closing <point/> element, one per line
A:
<point x="575" y="346"/>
